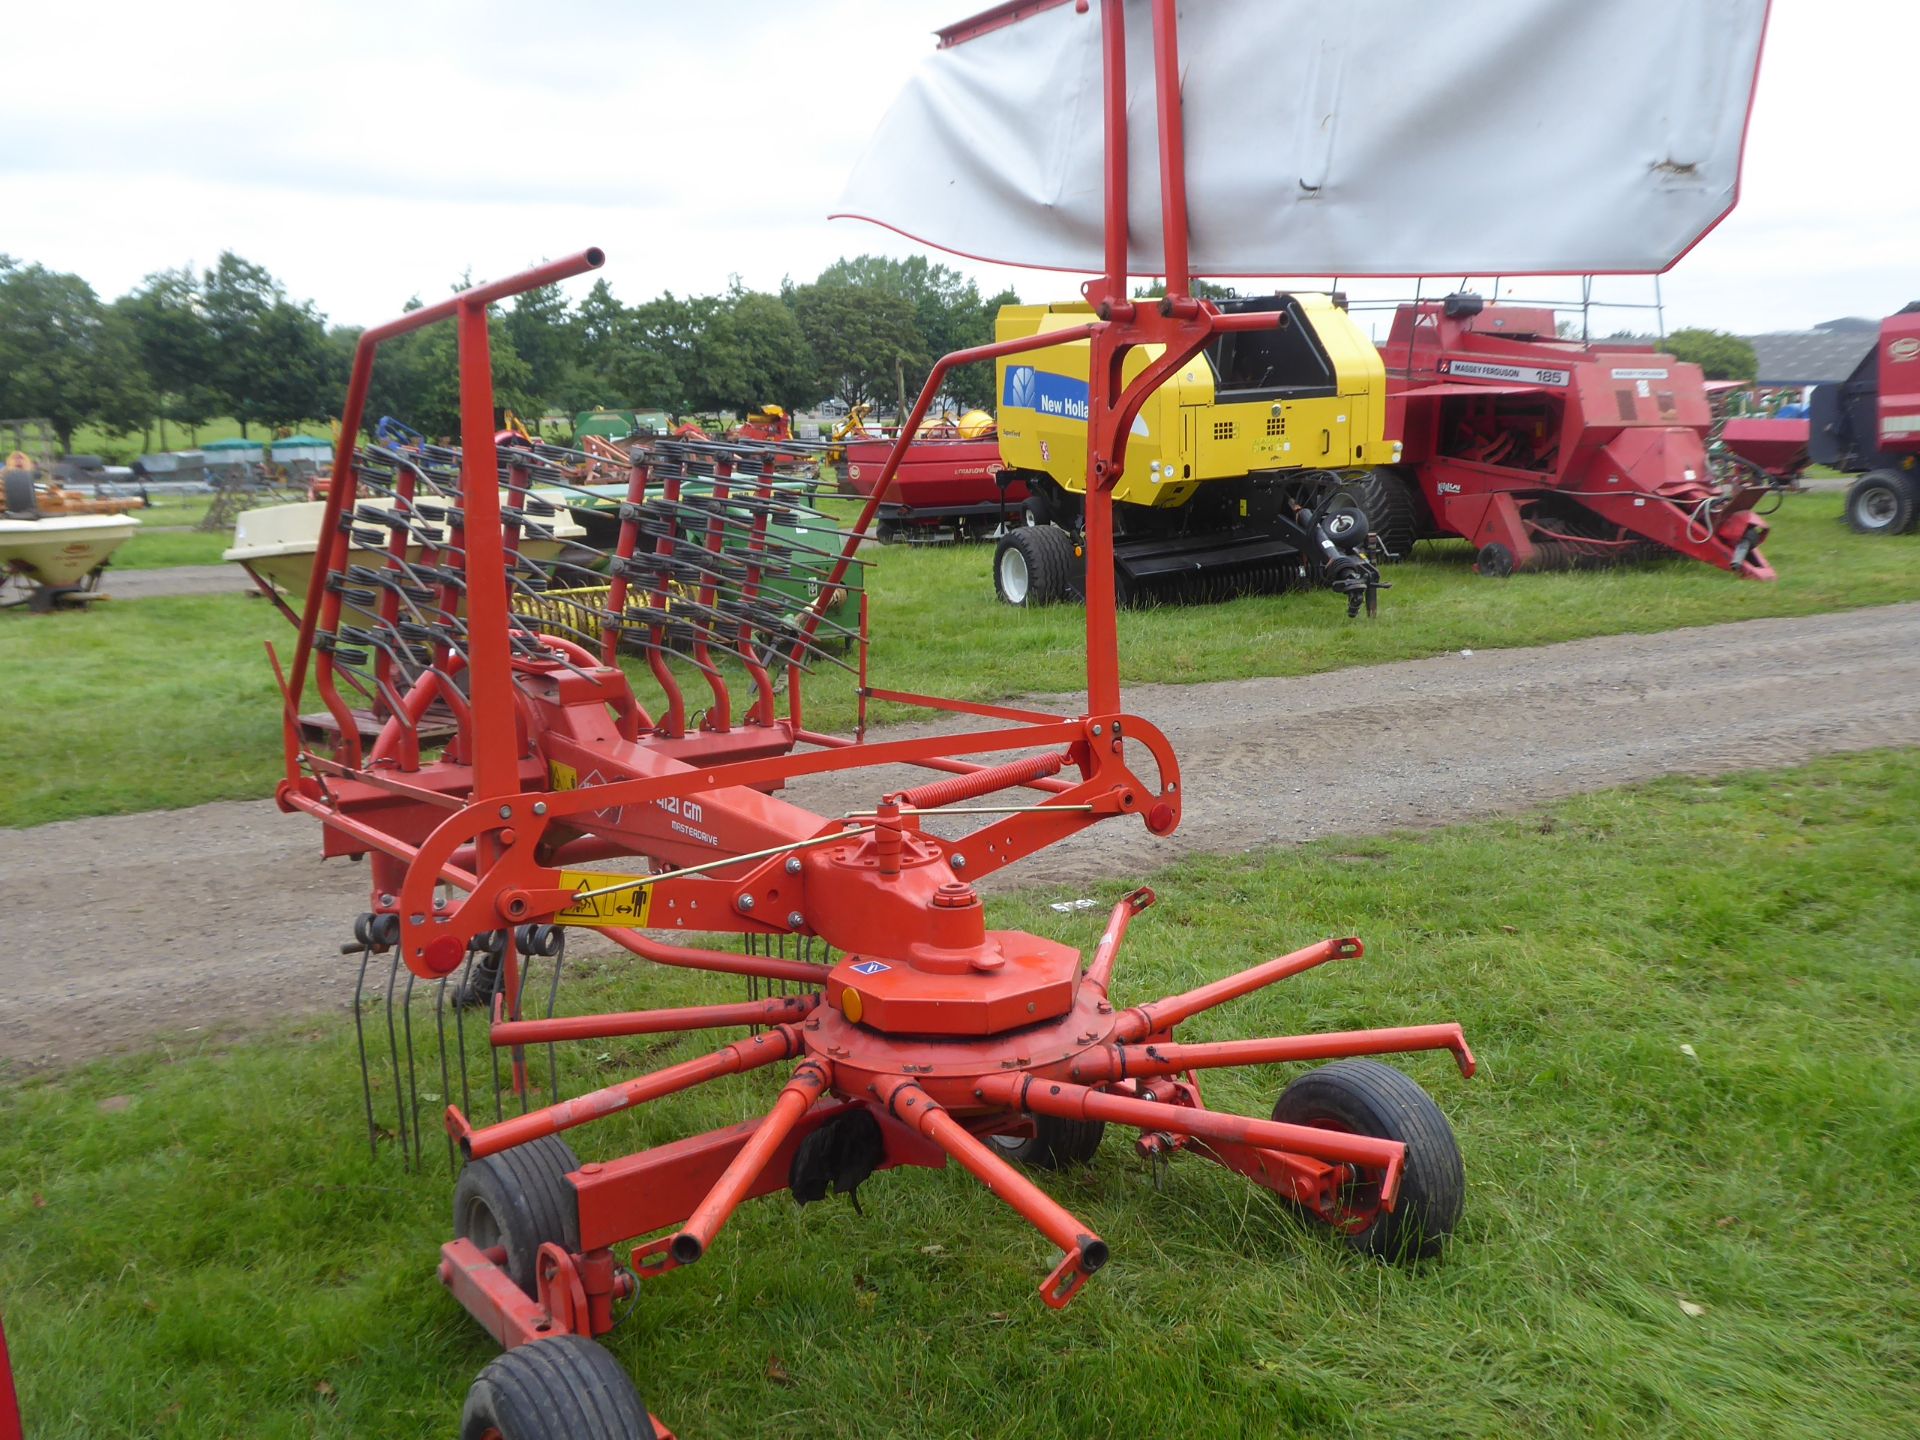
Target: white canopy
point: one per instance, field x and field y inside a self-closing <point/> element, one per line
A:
<point x="1338" y="137"/>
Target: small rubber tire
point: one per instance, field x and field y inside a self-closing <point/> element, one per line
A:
<point x="1883" y="502"/>
<point x="1364" y="1097"/>
<point x="1383" y="495"/>
<point x="1495" y="561"/>
<point x="1055" y="1143"/>
<point x="22" y="501"/>
<point x="1033" y="565"/>
<point x="565" y="1388"/>
<point x="520" y="1199"/>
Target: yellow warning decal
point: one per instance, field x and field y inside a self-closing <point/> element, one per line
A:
<point x="565" y="777"/>
<point x="615" y="907"/>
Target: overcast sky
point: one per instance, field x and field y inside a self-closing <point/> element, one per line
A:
<point x="366" y="153"/>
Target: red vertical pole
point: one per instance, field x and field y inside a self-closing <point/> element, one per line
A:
<point x="495" y="751"/>
<point x="1103" y="362"/>
<point x="1113" y="49"/>
<point x="623" y="549"/>
<point x="1173" y="148"/>
<point x="10" y="1427"/>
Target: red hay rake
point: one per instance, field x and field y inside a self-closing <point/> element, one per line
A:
<point x="929" y="1037"/>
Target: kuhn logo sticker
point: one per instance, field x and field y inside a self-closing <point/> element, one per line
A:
<point x="871" y="967"/>
<point x="1905" y="348"/>
<point x="1513" y="374"/>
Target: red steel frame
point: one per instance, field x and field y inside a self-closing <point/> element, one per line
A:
<point x="933" y="1024"/>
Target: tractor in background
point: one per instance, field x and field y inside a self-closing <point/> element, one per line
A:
<point x="1866" y="425"/>
<point x="1869" y="425"/>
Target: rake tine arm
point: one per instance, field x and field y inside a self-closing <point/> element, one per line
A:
<point x="1107" y="1063"/>
<point x="779" y="1010"/>
<point x="775" y="1045"/>
<point x="1144" y="1020"/>
<point x="1038" y="1096"/>
<point x="1100" y="969"/>
<point x="1085" y="1252"/>
<point x="721" y="962"/>
<point x="811" y="1078"/>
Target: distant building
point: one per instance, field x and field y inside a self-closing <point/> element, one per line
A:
<point x="1828" y="352"/>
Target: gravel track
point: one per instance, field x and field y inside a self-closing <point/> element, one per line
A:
<point x="128" y="929"/>
<point x="168" y="580"/>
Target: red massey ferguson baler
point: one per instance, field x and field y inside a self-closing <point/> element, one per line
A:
<point x="1548" y="453"/>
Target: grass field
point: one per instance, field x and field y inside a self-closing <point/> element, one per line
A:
<point x="152" y="549"/>
<point x="1691" y="1153"/>
<point x="105" y="716"/>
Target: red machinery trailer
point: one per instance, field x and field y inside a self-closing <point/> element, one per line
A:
<point x="1866" y="425"/>
<point x="1547" y="452"/>
<point x="939" y="485"/>
<point x="1869" y="425"/>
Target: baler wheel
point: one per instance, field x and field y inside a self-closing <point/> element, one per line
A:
<point x="1033" y="565"/>
<point x="520" y="1199"/>
<point x="1054" y="1144"/>
<point x="1384" y="497"/>
<point x="565" y="1388"/>
<point x="1883" y="502"/>
<point x="1495" y="560"/>
<point x="1364" y="1097"/>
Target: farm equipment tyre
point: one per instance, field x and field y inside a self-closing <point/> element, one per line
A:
<point x="1494" y="560"/>
<point x="1384" y="497"/>
<point x="1883" y="502"/>
<point x="1033" y="565"/>
<point x="1364" y="1097"/>
<point x="520" y="1199"/>
<point x="1055" y="1143"/>
<point x="566" y="1388"/>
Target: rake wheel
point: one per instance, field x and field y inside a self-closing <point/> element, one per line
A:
<point x="520" y="1200"/>
<point x="1364" y="1097"/>
<point x="566" y="1388"/>
<point x="1054" y="1144"/>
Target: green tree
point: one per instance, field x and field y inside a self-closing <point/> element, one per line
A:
<point x="630" y="355"/>
<point x="542" y="334"/>
<point x="947" y="312"/>
<point x="779" y="363"/>
<point x="270" y="354"/>
<point x="169" y="327"/>
<point x="858" y="334"/>
<point x="1719" y="355"/>
<point x="416" y="377"/>
<point x="64" y="356"/>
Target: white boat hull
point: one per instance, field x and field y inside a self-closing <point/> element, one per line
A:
<point x="58" y="551"/>
<point x="275" y="544"/>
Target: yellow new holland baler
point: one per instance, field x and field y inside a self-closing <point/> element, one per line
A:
<point x="1231" y="466"/>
